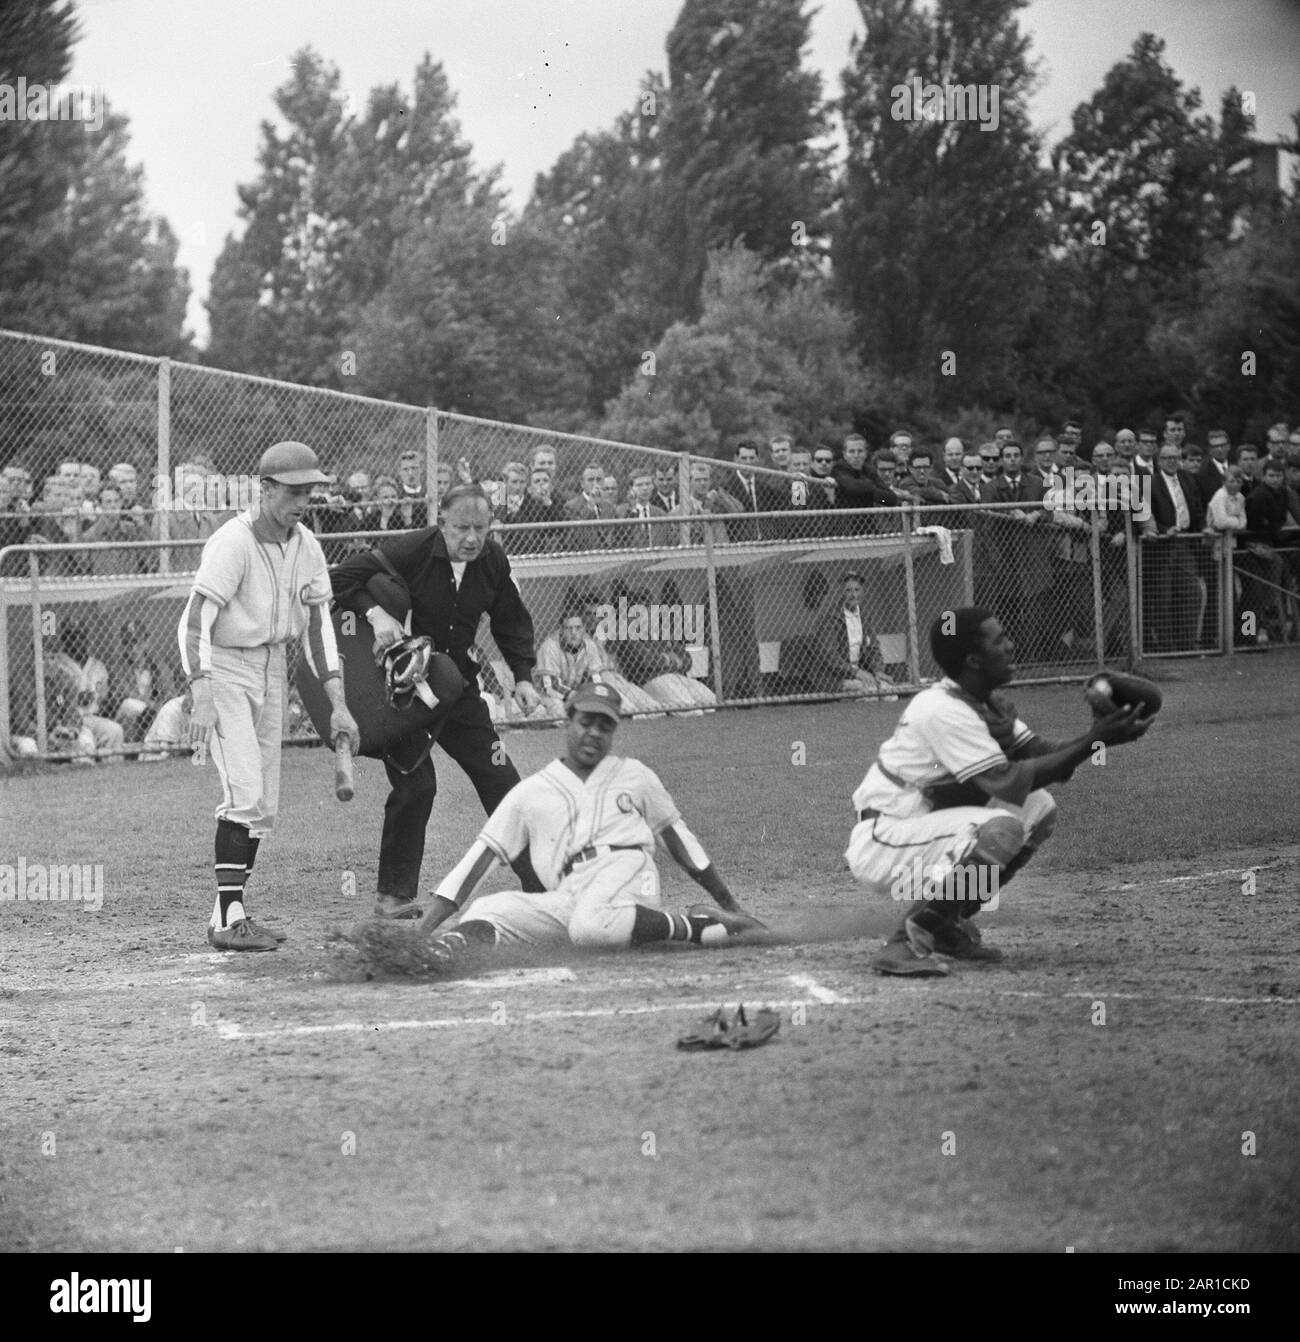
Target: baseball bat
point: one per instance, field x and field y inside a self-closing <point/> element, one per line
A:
<point x="343" y="788"/>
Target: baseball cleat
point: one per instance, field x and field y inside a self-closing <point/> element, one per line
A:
<point x="397" y="906"/>
<point x="910" y="951"/>
<point x="268" y="931"/>
<point x="241" y="936"/>
<point x="962" y="941"/>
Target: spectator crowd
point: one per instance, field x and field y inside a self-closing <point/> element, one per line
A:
<point x="1035" y="510"/>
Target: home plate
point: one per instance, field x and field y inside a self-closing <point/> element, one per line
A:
<point x="521" y="978"/>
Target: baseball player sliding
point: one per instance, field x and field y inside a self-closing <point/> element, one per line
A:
<point x="956" y="800"/>
<point x="591" y="820"/>
<point x="262" y="581"/>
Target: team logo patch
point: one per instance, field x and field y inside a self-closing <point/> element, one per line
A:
<point x="305" y="594"/>
<point x="625" y="803"/>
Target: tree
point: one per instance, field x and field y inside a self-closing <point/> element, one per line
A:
<point x="1144" y="195"/>
<point x="602" y="203"/>
<point x="941" y="231"/>
<point x="80" y="257"/>
<point x="742" y="140"/>
<point x="765" y="355"/>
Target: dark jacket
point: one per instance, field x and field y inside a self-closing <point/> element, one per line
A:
<point x="1163" y="513"/>
<point x="448" y="616"/>
<point x="833" y="642"/>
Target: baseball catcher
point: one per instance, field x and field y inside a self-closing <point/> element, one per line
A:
<point x="590" y="820"/>
<point x="956" y="801"/>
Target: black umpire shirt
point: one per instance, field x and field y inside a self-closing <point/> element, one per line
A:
<point x="449" y="616"/>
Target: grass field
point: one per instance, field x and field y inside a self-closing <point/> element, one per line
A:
<point x="1103" y="1089"/>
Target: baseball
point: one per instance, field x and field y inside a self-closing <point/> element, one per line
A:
<point x="1098" y="695"/>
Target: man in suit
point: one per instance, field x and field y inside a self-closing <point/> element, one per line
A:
<point x="848" y="645"/>
<point x="665" y="490"/>
<point x="648" y="532"/>
<point x="587" y="506"/>
<point x="1171" y="590"/>
<point x="539" y="506"/>
<point x="411" y="489"/>
<point x="948" y="476"/>
<point x="1024" y="554"/>
<point x="754" y="495"/>
<point x="856" y="486"/>
<point x="1214" y="469"/>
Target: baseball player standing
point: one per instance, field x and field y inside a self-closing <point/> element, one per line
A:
<point x="455" y="575"/>
<point x="262" y="580"/>
<point x="590" y="820"/>
<point x="956" y="800"/>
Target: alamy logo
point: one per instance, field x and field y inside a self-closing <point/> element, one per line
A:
<point x="189" y="491"/>
<point x="653" y="622"/>
<point x="52" y="102"/>
<point x="125" y="1295"/>
<point x="1086" y="493"/>
<point x="962" y="881"/>
<point x="35" y="882"/>
<point x="915" y="101"/>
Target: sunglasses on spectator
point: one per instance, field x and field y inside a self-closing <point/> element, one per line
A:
<point x="984" y="458"/>
<point x="823" y="459"/>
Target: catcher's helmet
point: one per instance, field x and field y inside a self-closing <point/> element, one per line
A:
<point x="406" y="665"/>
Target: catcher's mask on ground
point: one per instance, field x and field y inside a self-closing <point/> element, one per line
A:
<point x="406" y="664"/>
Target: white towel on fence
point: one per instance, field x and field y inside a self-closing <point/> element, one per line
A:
<point x="943" y="538"/>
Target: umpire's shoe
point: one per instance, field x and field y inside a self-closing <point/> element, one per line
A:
<point x="910" y="951"/>
<point x="241" y="936"/>
<point x="397" y="906"/>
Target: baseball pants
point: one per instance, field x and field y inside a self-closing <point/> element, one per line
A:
<point x="595" y="904"/>
<point x="892" y="855"/>
<point x="248" y="691"/>
<point x="467" y="735"/>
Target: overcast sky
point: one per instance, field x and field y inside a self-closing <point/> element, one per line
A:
<point x="195" y="77"/>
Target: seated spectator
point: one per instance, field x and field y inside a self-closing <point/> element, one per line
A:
<point x="81" y="684"/>
<point x="112" y="524"/>
<point x="848" y="646"/>
<point x="570" y="656"/>
<point x="661" y="667"/>
<point x="170" y="728"/>
<point x="137" y="685"/>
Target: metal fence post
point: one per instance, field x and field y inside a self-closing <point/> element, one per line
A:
<point x="4" y="667"/>
<point x="431" y="465"/>
<point x="715" y="634"/>
<point x="163" y="500"/>
<point x="1134" y="600"/>
<point x="683" y="496"/>
<point x="1228" y="595"/>
<point x="38" y="654"/>
<point x="909" y="573"/>
<point x="1098" y="605"/>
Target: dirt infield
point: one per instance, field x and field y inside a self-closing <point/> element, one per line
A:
<point x="1102" y="1090"/>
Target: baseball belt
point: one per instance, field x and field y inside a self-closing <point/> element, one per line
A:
<point x="596" y="850"/>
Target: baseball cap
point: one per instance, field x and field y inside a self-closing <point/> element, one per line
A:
<point x="595" y="697"/>
<point x="292" y="464"/>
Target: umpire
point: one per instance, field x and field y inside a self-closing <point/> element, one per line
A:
<point x="455" y="575"/>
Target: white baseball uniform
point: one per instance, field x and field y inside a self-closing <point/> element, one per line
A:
<point x="592" y="843"/>
<point x="942" y="739"/>
<point x="251" y="595"/>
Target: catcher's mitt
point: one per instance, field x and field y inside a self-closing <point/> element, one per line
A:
<point x="722" y="1030"/>
<point x="1109" y="690"/>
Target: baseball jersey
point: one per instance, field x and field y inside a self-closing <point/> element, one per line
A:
<point x="943" y="738"/>
<point x="263" y="589"/>
<point x="567" y="668"/>
<point x="555" y="814"/>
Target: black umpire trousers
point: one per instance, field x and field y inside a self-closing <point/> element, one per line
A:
<point x="467" y="735"/>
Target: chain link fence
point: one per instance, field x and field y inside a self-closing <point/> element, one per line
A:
<point x="687" y="581"/>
